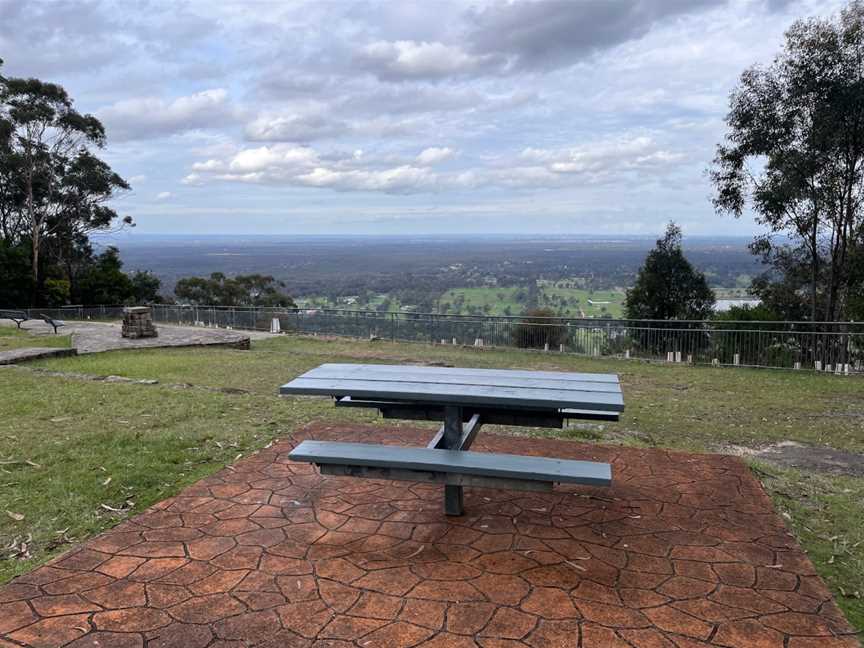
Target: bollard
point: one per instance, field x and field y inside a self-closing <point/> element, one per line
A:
<point x="736" y="359"/>
<point x="715" y="362"/>
<point x="454" y="341"/>
<point x="797" y="366"/>
<point x="443" y="341"/>
<point x="626" y="354"/>
<point x="677" y="356"/>
<point x="546" y="347"/>
<point x="561" y="348"/>
<point x="275" y="325"/>
<point x="818" y="365"/>
<point x="689" y="359"/>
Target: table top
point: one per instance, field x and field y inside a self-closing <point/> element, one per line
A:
<point x="543" y="390"/>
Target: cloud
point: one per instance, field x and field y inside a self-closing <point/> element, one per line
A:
<point x="434" y="155"/>
<point x="411" y="60"/>
<point x="149" y="117"/>
<point x="598" y="162"/>
<point x="294" y="128"/>
<point x="164" y="195"/>
<point x="531" y="103"/>
<point x="543" y="34"/>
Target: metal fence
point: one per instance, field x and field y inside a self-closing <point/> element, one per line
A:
<point x="836" y="347"/>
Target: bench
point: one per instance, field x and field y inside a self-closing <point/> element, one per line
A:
<point x="54" y="323"/>
<point x="19" y="317"/>
<point x="449" y="467"/>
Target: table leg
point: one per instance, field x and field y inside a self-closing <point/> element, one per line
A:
<point x="453" y="503"/>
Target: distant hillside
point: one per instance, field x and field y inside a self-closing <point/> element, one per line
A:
<point x="350" y="265"/>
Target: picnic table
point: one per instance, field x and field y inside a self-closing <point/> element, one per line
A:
<point x="464" y="399"/>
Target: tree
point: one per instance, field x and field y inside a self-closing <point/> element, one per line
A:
<point x="242" y="290"/>
<point x="667" y="286"/>
<point x="145" y="287"/>
<point x="794" y="155"/>
<point x="104" y="281"/>
<point x="539" y="327"/>
<point x="51" y="184"/>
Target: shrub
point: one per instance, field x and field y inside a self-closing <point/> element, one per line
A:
<point x="539" y="327"/>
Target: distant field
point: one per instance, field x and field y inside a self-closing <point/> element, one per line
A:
<point x="563" y="297"/>
<point x="490" y="300"/>
<point x="574" y="302"/>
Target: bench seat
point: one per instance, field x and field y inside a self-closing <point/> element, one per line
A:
<point x="19" y="317"/>
<point x="406" y="461"/>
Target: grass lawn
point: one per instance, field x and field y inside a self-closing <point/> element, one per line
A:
<point x="70" y="448"/>
<point x="13" y="338"/>
<point x="491" y="300"/>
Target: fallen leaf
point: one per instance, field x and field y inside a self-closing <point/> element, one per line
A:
<point x="15" y="516"/>
<point x="106" y="482"/>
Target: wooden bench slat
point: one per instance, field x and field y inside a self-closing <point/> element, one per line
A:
<point x="502" y="466"/>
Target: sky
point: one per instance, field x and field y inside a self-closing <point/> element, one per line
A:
<point x="340" y="117"/>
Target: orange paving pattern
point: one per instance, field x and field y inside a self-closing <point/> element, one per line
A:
<point x="683" y="551"/>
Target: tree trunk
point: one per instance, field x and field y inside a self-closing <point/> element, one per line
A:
<point x="814" y="276"/>
<point x="34" y="241"/>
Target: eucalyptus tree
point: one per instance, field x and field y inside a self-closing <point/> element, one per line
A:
<point x="793" y="156"/>
<point x="51" y="183"/>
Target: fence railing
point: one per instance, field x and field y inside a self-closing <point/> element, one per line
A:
<point x="836" y="347"/>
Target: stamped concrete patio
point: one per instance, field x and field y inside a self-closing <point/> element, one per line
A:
<point x="683" y="551"/>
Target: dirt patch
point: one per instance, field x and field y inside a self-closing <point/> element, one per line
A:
<point x="797" y="455"/>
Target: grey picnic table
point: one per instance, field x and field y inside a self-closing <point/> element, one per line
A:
<point x="464" y="399"/>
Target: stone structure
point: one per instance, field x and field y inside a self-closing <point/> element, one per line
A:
<point x="137" y="323"/>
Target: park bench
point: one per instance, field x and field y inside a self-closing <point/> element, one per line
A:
<point x="19" y="317"/>
<point x="464" y="399"/>
<point x="54" y="323"/>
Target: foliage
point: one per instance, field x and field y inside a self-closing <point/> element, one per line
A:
<point x="242" y="290"/>
<point x="53" y="189"/>
<point x="748" y="313"/>
<point x="667" y="286"/>
<point x="794" y="154"/>
<point x="539" y="327"/>
<point x="15" y="287"/>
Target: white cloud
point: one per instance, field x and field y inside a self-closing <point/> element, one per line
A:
<point x="435" y="155"/>
<point x="407" y="59"/>
<point x="147" y="117"/>
<point x="164" y="195"/>
<point x="293" y="128"/>
<point x="604" y="157"/>
<point x="597" y="162"/>
<point x="402" y="179"/>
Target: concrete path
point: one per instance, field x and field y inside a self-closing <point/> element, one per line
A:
<point x="14" y="356"/>
<point x="93" y="337"/>
<point x="684" y="551"/>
